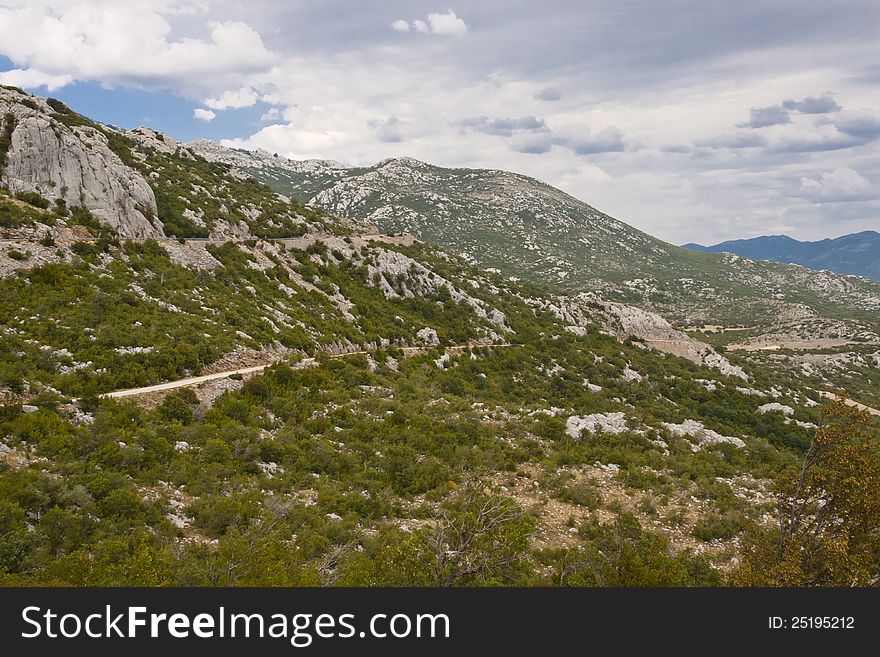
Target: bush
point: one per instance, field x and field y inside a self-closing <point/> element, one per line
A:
<point x="719" y="526"/>
<point x="216" y="515"/>
<point x="34" y="199"/>
<point x="61" y="207"/>
<point x="174" y="409"/>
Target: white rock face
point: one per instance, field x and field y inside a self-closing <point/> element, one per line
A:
<point x="428" y="336"/>
<point x="776" y="406"/>
<point x="414" y="279"/>
<point x="705" y="436"/>
<point x="629" y="374"/>
<point x="76" y="165"/>
<point x="630" y="322"/>
<point x="149" y="138"/>
<point x="613" y="423"/>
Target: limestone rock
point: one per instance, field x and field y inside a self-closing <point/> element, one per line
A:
<point x="775" y="406"/>
<point x="428" y="336"/>
<point x="613" y="423"/>
<point x="705" y="436"/>
<point x="76" y="165"/>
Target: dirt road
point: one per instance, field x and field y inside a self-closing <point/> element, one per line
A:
<point x="849" y="402"/>
<point x="305" y="362"/>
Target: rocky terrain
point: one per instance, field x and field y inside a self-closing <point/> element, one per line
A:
<point x="526" y="230"/>
<point x="373" y="392"/>
<point x="529" y="230"/>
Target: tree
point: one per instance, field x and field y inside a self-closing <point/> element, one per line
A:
<point x="479" y="538"/>
<point x="173" y="408"/>
<point x="828" y="531"/>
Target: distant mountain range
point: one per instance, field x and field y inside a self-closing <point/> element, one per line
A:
<point x="858" y="253"/>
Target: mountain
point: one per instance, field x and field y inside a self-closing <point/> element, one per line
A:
<point x="858" y="253"/>
<point x="204" y="382"/>
<point x="529" y="230"/>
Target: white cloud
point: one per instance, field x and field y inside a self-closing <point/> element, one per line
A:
<point x="203" y="114"/>
<point x="60" y="41"/>
<point x="447" y="24"/>
<point x="31" y="79"/>
<point x="841" y="184"/>
<point x="388" y="130"/>
<point x="244" y="97"/>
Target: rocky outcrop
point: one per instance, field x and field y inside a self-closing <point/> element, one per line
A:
<point x="612" y="423"/>
<point x="705" y="437"/>
<point x="153" y="139"/>
<point x="76" y="165"/>
<point x="625" y="321"/>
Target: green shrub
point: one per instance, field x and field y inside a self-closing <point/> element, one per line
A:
<point x="34" y="199"/>
<point x="719" y="526"/>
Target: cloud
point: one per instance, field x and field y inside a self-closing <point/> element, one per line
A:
<point x="840" y="185"/>
<point x="203" y="114"/>
<point x="548" y="94"/>
<point x="861" y="125"/>
<point x="388" y="130"/>
<point x="58" y="41"/>
<point x="826" y="138"/>
<point x="534" y="143"/>
<point x="761" y="117"/>
<point x="447" y="24"/>
<point x="810" y="105"/>
<point x="502" y="127"/>
<point x="733" y="141"/>
<point x="532" y="135"/>
<point x="583" y="142"/>
<point x="31" y="79"/>
<point x="244" y="97"/>
<point x="272" y="114"/>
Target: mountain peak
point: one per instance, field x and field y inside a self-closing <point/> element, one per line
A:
<point x="403" y="161"/>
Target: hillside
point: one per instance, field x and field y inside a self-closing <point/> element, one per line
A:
<point x="527" y="229"/>
<point x="396" y="399"/>
<point x="857" y="254"/>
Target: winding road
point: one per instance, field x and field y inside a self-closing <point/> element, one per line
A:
<point x="305" y="362"/>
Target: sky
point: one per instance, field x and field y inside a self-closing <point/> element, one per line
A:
<point x="693" y="120"/>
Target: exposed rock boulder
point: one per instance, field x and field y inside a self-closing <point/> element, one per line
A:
<point x="428" y="336"/>
<point x="613" y="423"/>
<point x="704" y="436"/>
<point x="775" y="406"/>
<point x="149" y="138"/>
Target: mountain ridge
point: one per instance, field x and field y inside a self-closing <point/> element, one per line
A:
<point x="854" y="254"/>
<point x="528" y="229"/>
